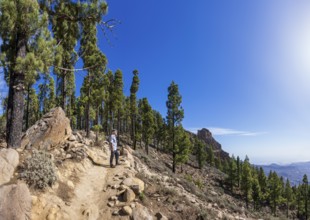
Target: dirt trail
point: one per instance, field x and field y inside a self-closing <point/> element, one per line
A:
<point x="89" y="192"/>
<point x="94" y="190"/>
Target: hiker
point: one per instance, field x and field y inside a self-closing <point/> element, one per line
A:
<point x="113" y="148"/>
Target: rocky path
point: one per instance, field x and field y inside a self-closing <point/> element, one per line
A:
<point x="88" y="193"/>
<point x="95" y="189"/>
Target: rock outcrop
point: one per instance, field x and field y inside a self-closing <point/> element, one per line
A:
<point x="9" y="160"/>
<point x="52" y="129"/>
<point x="15" y="202"/>
<point x="206" y="136"/>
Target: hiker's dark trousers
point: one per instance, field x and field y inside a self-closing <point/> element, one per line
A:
<point x="115" y="152"/>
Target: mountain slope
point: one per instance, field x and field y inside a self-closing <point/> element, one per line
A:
<point x="294" y="172"/>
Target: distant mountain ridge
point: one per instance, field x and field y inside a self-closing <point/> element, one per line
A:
<point x="294" y="171"/>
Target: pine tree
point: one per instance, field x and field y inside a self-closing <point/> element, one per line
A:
<point x="175" y="115"/>
<point x="232" y="173"/>
<point x="108" y="109"/>
<point x="47" y="94"/>
<point x="133" y="105"/>
<point x="226" y="166"/>
<point x="200" y="151"/>
<point x="182" y="146"/>
<point x="66" y="33"/>
<point x="246" y="181"/>
<point x="262" y="180"/>
<point x="29" y="81"/>
<point x="288" y="196"/>
<point x="211" y="156"/>
<point x="256" y="192"/>
<point x="147" y="123"/>
<point x="305" y="194"/>
<point x="21" y="21"/>
<point x="92" y="57"/>
<point x="138" y="123"/>
<point x="218" y="163"/>
<point x="274" y="185"/>
<point x="238" y="163"/>
<point x="159" y="128"/>
<point x="118" y="97"/>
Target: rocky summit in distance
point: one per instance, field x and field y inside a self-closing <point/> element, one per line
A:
<point x="206" y="136"/>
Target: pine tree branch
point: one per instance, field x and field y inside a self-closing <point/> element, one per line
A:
<point x="74" y="70"/>
<point x="108" y="25"/>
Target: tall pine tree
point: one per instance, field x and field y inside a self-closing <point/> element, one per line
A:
<point x="147" y="123"/>
<point x="175" y="115"/>
<point x="133" y="105"/>
<point x="21" y="21"/>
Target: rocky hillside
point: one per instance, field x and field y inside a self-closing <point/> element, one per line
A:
<point x="141" y="187"/>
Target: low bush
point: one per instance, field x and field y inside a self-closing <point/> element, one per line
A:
<point x="39" y="170"/>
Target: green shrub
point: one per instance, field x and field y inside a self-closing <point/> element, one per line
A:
<point x="142" y="196"/>
<point x="199" y="183"/>
<point x="188" y="177"/>
<point x="39" y="170"/>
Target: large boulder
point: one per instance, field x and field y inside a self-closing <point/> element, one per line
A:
<point x="52" y="129"/>
<point x="9" y="160"/>
<point x="129" y="195"/>
<point x="140" y="212"/>
<point x="97" y="157"/>
<point x="15" y="202"/>
<point x="135" y="184"/>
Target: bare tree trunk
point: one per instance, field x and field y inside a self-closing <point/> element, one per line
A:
<point x="88" y="109"/>
<point x="15" y="110"/>
<point x="63" y="101"/>
<point x="133" y="135"/>
<point x="27" y="110"/>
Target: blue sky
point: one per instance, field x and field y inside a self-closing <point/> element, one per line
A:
<point x="243" y="68"/>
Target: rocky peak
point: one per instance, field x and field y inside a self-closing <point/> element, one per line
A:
<point x="206" y="136"/>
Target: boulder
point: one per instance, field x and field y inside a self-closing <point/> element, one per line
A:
<point x="141" y="213"/>
<point x="96" y="157"/>
<point x="134" y="183"/>
<point x="129" y="195"/>
<point x="15" y="202"/>
<point x="52" y="129"/>
<point x="9" y="160"/>
<point x="72" y="138"/>
<point x="160" y="216"/>
<point x="126" y="210"/>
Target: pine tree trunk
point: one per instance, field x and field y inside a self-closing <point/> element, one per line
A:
<point x="147" y="148"/>
<point x="15" y="110"/>
<point x="287" y="210"/>
<point x="173" y="162"/>
<point x="87" y="109"/>
<point x="118" y="126"/>
<point x="133" y="124"/>
<point x="27" y="110"/>
<point x="64" y="92"/>
<point x="97" y="117"/>
<point x="173" y="149"/>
